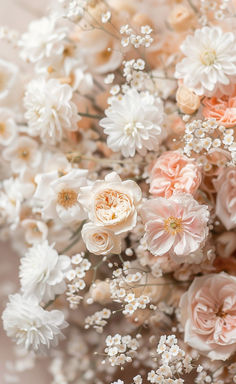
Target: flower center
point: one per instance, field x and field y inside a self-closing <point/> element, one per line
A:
<point x="173" y="225"/>
<point x="24" y="153"/>
<point x="221" y="313"/>
<point x="112" y="205"/>
<point x="67" y="198"/>
<point x="208" y="57"/>
<point x="2" y="128"/>
<point x="131" y="129"/>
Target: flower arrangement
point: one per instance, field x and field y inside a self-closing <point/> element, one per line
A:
<point x="118" y="191"/>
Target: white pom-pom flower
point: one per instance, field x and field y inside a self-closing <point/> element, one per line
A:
<point x="210" y="62"/>
<point x="50" y="110"/>
<point x="134" y="123"/>
<point x="42" y="272"/>
<point x="30" y="326"/>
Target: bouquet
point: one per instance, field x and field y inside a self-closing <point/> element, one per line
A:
<point x="118" y="191"/>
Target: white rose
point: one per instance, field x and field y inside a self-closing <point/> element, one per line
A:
<point x="112" y="203"/>
<point x="100" y="241"/>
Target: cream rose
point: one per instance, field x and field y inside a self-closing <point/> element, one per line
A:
<point x="112" y="203"/>
<point x="188" y="102"/>
<point x="208" y="314"/>
<point x="100" y="241"/>
<point x="225" y="186"/>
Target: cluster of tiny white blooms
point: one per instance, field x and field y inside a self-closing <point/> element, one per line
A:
<point x="174" y="362"/>
<point x="137" y="40"/>
<point x="98" y="320"/>
<point x="219" y="8"/>
<point x="134" y="73"/>
<point x="50" y="111"/>
<point x="10" y="35"/>
<point x="206" y="136"/>
<point x="42" y="40"/>
<point x="121" y="349"/>
<point x="133" y="123"/>
<point x="74" y="9"/>
<point x="76" y="276"/>
<point x="122" y="285"/>
<point x="30" y="326"/>
<point x="42" y="272"/>
<point x="210" y="62"/>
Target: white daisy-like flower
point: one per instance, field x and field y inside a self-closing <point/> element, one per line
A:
<point x="42" y="40"/>
<point x="8" y="77"/>
<point x="50" y="110"/>
<point x="59" y="195"/>
<point x="30" y="326"/>
<point x="210" y="62"/>
<point x="23" y="153"/>
<point x="134" y="123"/>
<point x="8" y="128"/>
<point x="42" y="272"/>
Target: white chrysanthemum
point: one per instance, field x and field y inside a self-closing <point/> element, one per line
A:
<point x="42" y="272"/>
<point x="30" y="325"/>
<point x="210" y="62"/>
<point x="50" y="110"/>
<point x="133" y="123"/>
<point x="42" y="40"/>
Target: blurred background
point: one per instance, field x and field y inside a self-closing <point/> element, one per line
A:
<point x="15" y="14"/>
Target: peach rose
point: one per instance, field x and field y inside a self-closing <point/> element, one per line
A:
<point x="112" y="203"/>
<point x="100" y="241"/>
<point x="174" y="172"/>
<point x="208" y="314"/>
<point x="187" y="101"/>
<point x="181" y="18"/>
<point x="225" y="185"/>
<point x="223" y="109"/>
<point x="177" y="226"/>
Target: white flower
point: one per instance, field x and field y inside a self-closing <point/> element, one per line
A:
<point x="210" y="62"/>
<point x="50" y="110"/>
<point x="31" y="326"/>
<point x="7" y="127"/>
<point x="42" y="272"/>
<point x="100" y="241"/>
<point x="8" y="76"/>
<point x="112" y="203"/>
<point x="133" y="123"/>
<point x="59" y="195"/>
<point x="42" y="40"/>
<point x="10" y="202"/>
<point x="23" y="153"/>
<point x="35" y="231"/>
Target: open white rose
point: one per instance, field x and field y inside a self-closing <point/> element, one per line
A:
<point x="100" y="241"/>
<point x="112" y="203"/>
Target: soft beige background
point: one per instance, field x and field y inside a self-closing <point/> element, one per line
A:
<point x="16" y="14"/>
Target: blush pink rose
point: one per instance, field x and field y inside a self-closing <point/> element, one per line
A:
<point x="225" y="186"/>
<point x="208" y="314"/>
<point x="177" y="226"/>
<point x="174" y="172"/>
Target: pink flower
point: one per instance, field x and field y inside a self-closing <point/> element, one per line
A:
<point x="208" y="313"/>
<point x="225" y="186"/>
<point x="174" y="172"/>
<point x="177" y="225"/>
<point x="223" y="109"/>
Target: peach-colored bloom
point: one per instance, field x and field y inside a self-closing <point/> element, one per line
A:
<point x="187" y="101"/>
<point x="225" y="186"/>
<point x="174" y="172"/>
<point x="181" y="18"/>
<point x="208" y="313"/>
<point x="112" y="203"/>
<point x="223" y="109"/>
<point x="177" y="225"/>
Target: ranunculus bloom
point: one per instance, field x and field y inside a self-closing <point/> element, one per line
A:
<point x="174" y="172"/>
<point x="188" y="102"/>
<point x="99" y="240"/>
<point x="225" y="186"/>
<point x="112" y="203"/>
<point x="208" y="314"/>
<point x="181" y="18"/>
<point x="177" y="225"/>
<point x="223" y="109"/>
